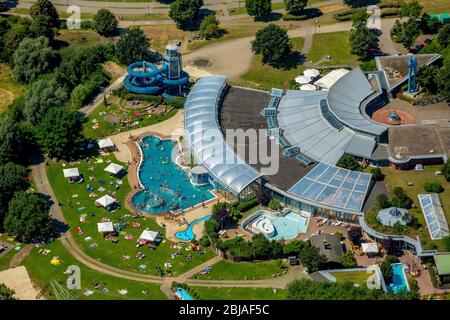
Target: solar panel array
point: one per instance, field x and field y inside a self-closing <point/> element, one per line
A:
<point x="334" y="186"/>
<point x="434" y="215"/>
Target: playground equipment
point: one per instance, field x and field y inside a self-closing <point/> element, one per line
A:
<point x="412" y="73"/>
<point x="146" y="78"/>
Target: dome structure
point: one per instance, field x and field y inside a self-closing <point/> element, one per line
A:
<point x="390" y="216"/>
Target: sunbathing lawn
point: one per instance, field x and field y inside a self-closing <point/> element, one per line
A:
<point x="80" y="38"/>
<point x="263" y="76"/>
<point x="9" y="88"/>
<point x="215" y="293"/>
<point x="359" y="277"/>
<point x="400" y="178"/>
<point x="106" y="128"/>
<point x="108" y="252"/>
<point x="336" y="44"/>
<point x="225" y="270"/>
<point x="5" y="259"/>
<point x="41" y="272"/>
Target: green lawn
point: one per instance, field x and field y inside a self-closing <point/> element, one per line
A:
<point x="435" y="6"/>
<point x="80" y="38"/>
<point x="225" y="270"/>
<point x="41" y="272"/>
<point x="108" y="252"/>
<point x="5" y="259"/>
<point x="265" y="77"/>
<point x="336" y="44"/>
<point x="358" y="277"/>
<point x="106" y="128"/>
<point x="9" y="88"/>
<point x="215" y="293"/>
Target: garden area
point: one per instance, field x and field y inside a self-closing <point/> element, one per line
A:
<point x="94" y="285"/>
<point x="9" y="88"/>
<point x="226" y="270"/>
<point x="81" y="213"/>
<point x="356" y="277"/>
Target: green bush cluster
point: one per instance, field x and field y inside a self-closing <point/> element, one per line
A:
<point x="433" y="186"/>
<point x="247" y="205"/>
<point x="274" y="204"/>
<point x="84" y="92"/>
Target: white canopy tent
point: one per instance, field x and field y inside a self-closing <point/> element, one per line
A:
<point x="105" y="201"/>
<point x="105" y="143"/>
<point x="308" y="87"/>
<point x="303" y="80"/>
<point x="312" y="73"/>
<point x="327" y="81"/>
<point x="114" y="168"/>
<point x="149" y="235"/>
<point x="105" y="227"/>
<point x="71" y="173"/>
<point x="369" y="247"/>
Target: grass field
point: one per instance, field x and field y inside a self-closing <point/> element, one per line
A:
<point x="106" y="128"/>
<point x="264" y="76"/>
<point x="225" y="270"/>
<point x="232" y="32"/>
<point x="160" y="35"/>
<point x="80" y="38"/>
<point x="435" y="6"/>
<point x="5" y="259"/>
<point x="214" y="293"/>
<point x="336" y="44"/>
<point x="76" y="200"/>
<point x="41" y="272"/>
<point x="9" y="88"/>
<point x="358" y="277"/>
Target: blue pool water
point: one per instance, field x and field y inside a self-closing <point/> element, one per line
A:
<point x="184" y="295"/>
<point x="167" y="186"/>
<point x="188" y="235"/>
<point x="286" y="227"/>
<point x="399" y="281"/>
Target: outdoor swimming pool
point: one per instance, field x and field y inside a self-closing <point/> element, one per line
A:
<point x="287" y="226"/>
<point x="399" y="281"/>
<point x="183" y="295"/>
<point x="167" y="186"/>
<point x="188" y="234"/>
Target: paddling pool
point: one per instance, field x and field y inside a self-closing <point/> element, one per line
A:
<point x="183" y="294"/>
<point x="188" y="234"/>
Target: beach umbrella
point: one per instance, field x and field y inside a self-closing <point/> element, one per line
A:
<point x="308" y="87"/>
<point x="312" y="73"/>
<point x="303" y="80"/>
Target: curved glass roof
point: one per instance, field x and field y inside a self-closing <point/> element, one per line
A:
<point x="334" y="186"/>
<point x="434" y="215"/>
<point x="345" y="98"/>
<point x="205" y="137"/>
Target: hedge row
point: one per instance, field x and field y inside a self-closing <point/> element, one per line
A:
<point x="247" y="205"/>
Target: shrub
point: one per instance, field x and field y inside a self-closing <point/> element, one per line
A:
<point x="247" y="205"/>
<point x="349" y="260"/>
<point x="433" y="186"/>
<point x="274" y="204"/>
<point x="354" y="234"/>
<point x="348" y="161"/>
<point x="377" y="175"/>
<point x="446" y="170"/>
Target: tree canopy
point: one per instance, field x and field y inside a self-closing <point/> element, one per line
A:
<point x="295" y="7"/>
<point x="28" y="217"/>
<point x="32" y="58"/>
<point x="210" y="27"/>
<point x="258" y="9"/>
<point x="45" y="8"/>
<point x="10" y="139"/>
<point x="59" y="133"/>
<point x="6" y="294"/>
<point x="443" y="37"/>
<point x="43" y="26"/>
<point x="184" y="12"/>
<point x="105" y="23"/>
<point x="348" y="161"/>
<point x="132" y="46"/>
<point x="272" y="42"/>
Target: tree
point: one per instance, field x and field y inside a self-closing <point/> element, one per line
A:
<point x="429" y="25"/>
<point x="348" y="161"/>
<point x="406" y="33"/>
<point x="13" y="178"/>
<point x="383" y="201"/>
<point x="6" y="294"/>
<point x="446" y="243"/>
<point x="184" y="12"/>
<point x="312" y="259"/>
<point x="32" y="58"/>
<point x="426" y="78"/>
<point x="362" y="39"/>
<point x="45" y="8"/>
<point x="273" y="43"/>
<point x="10" y="139"/>
<point x="386" y="267"/>
<point x="59" y="133"/>
<point x="11" y="41"/>
<point x="433" y="186"/>
<point x="359" y="18"/>
<point x="401" y="199"/>
<point x="348" y="260"/>
<point x="444" y="90"/>
<point x="42" y="95"/>
<point x="210" y="27"/>
<point x="446" y="169"/>
<point x="132" y="46"/>
<point x="258" y="9"/>
<point x="295" y="7"/>
<point x="105" y="23"/>
<point x="28" y="217"/>
<point x="443" y="37"/>
<point x="263" y="196"/>
<point x="377" y="175"/>
<point x="43" y="26"/>
<point x="354" y="234"/>
<point x="294" y="247"/>
<point x="411" y="10"/>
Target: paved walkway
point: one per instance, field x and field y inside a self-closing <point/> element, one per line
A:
<point x="17" y="259"/>
<point x="19" y="280"/>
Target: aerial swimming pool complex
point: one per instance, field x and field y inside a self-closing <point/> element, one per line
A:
<point x="167" y="185"/>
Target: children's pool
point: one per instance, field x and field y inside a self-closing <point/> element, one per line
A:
<point x="167" y="186"/>
<point x="188" y="234"/>
<point x="183" y="294"/>
<point x="288" y="226"/>
<point x="399" y="281"/>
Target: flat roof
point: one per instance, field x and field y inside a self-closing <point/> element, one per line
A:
<point x="241" y="110"/>
<point x="442" y="262"/>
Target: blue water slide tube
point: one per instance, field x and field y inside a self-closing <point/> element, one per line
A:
<point x="183" y="80"/>
<point x="131" y="85"/>
<point x="147" y="70"/>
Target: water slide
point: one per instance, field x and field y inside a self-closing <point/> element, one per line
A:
<point x="146" y="78"/>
